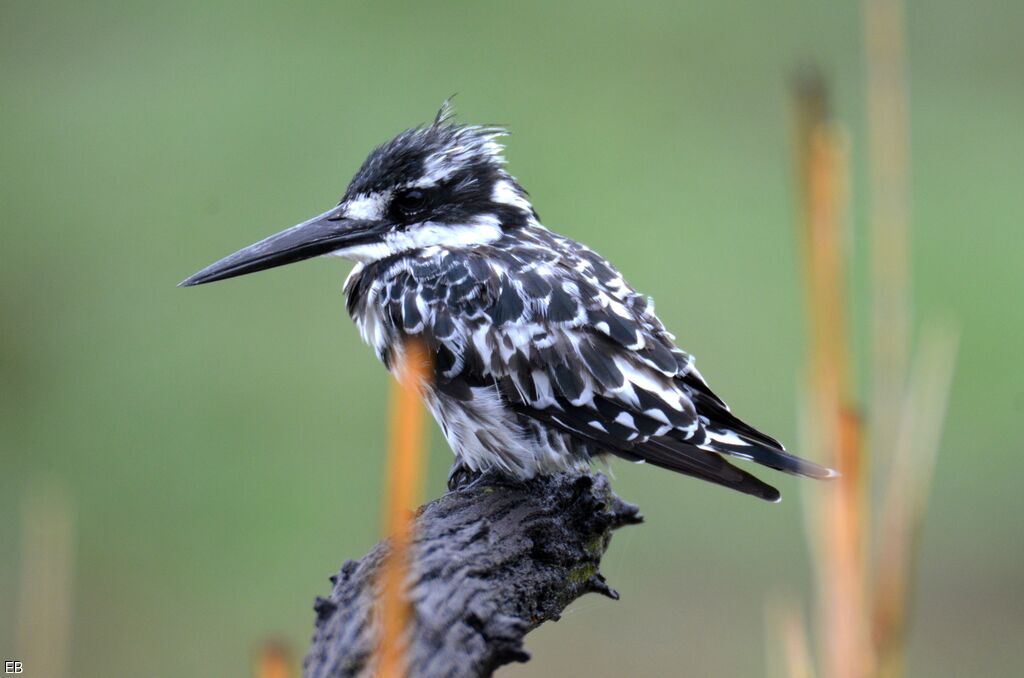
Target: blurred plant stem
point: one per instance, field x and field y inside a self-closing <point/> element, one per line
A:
<point x="888" y="216"/>
<point x="831" y="425"/>
<point x="406" y="460"/>
<point x="906" y="495"/>
<point x="45" y="579"/>
<point x="864" y="559"/>
<point x="274" y="660"/>
<point x="786" y="629"/>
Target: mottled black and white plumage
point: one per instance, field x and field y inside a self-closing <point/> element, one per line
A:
<point x="543" y="355"/>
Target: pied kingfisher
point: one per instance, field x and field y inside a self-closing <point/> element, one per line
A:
<point x="543" y="357"/>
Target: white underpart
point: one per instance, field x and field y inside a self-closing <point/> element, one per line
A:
<point x="365" y="253"/>
<point x="353" y="274"/>
<point x="371" y="325"/>
<point x="487" y="419"/>
<point x="482" y="230"/>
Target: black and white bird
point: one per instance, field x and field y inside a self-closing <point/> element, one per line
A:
<point x="543" y="356"/>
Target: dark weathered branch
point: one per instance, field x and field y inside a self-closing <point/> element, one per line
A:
<point x="492" y="561"/>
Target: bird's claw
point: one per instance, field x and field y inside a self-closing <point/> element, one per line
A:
<point x="461" y="476"/>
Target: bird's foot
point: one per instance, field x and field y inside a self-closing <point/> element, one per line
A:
<point x="461" y="476"/>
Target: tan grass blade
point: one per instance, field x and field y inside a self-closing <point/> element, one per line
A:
<point x="786" y="628"/>
<point x="45" y="579"/>
<point x="889" y="217"/>
<point x="906" y="497"/>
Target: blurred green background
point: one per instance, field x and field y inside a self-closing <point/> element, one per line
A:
<point x="221" y="448"/>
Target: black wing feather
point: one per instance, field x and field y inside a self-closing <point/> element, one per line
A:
<point x="567" y="342"/>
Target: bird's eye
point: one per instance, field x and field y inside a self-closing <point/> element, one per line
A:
<point x="410" y="203"/>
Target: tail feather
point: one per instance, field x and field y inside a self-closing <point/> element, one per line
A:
<point x="725" y="433"/>
<point x="668" y="453"/>
<point x="688" y="460"/>
<point x="737" y="444"/>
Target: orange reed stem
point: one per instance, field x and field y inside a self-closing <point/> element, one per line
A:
<point x="274" y="660"/>
<point x="404" y="478"/>
<point x="840" y="524"/>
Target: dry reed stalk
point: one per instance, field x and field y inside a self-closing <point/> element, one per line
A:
<point x="45" y="579"/>
<point x="406" y="458"/>
<point x="786" y="629"/>
<point x="839" y="521"/>
<point x="274" y="660"/>
<point x="864" y="610"/>
<point x="906" y="498"/>
<point x="889" y="218"/>
<point x="906" y="418"/>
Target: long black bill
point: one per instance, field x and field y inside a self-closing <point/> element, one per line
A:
<point x="322" y="234"/>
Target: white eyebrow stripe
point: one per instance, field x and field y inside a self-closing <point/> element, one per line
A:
<point x="370" y="206"/>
